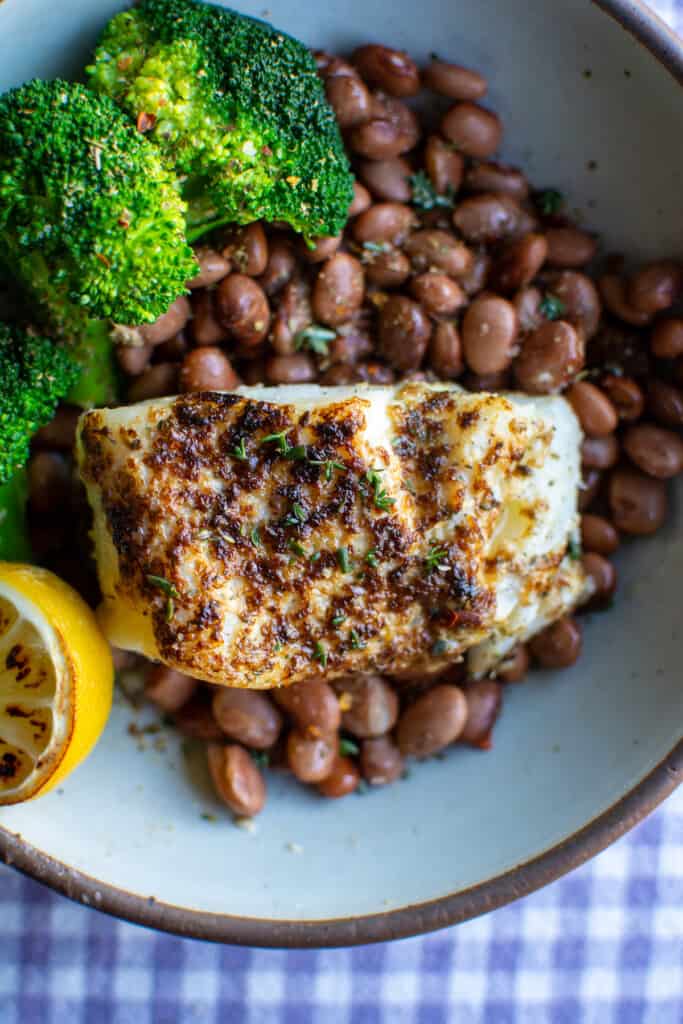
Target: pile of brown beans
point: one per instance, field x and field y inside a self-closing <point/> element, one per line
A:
<point x="451" y="267"/>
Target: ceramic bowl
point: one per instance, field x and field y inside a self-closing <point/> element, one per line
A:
<point x="591" y="105"/>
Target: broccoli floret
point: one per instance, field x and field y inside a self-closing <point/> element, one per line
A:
<point x="238" y="109"/>
<point x="91" y="220"/>
<point x="34" y="374"/>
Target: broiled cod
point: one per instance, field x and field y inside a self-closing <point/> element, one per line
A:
<point x="260" y="537"/>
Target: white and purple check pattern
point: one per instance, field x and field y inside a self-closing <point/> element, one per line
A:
<point x="602" y="946"/>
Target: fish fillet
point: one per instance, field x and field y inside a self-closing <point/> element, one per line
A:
<point x="261" y="537"/>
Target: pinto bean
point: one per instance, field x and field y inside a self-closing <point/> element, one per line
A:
<point x="387" y="179"/>
<point x="349" y="97"/>
<point x="387" y="269"/>
<point x="247" y="716"/>
<point x="489" y="332"/>
<point x="338" y="290"/>
<point x="154" y="382"/>
<point x="550" y="357"/>
<point x="514" y="666"/>
<point x="404" y="332"/>
<point x="570" y="247"/>
<point x="313" y="705"/>
<point x="207" y="369"/>
<point x="445" y="350"/>
<point x="658" y="452"/>
<point x="595" y="412"/>
<point x="213" y="267"/>
<point x="361" y="200"/>
<point x="656" y="287"/>
<point x="487" y="217"/>
<point x="666" y="340"/>
<point x="520" y="262"/>
<point x="638" y="502"/>
<point x="626" y="396"/>
<point x="598" y="534"/>
<point x="444" y="165"/>
<point x="133" y="359"/>
<point x="475" y="131"/>
<point x="172" y="321"/>
<point x="322" y="249"/>
<point x="60" y="433"/>
<point x="381" y="761"/>
<point x="600" y="452"/>
<point x="484" y="699"/>
<point x="665" y="403"/>
<point x="602" y="575"/>
<point x="580" y="298"/>
<point x="298" y="368"/>
<point x="437" y="293"/>
<point x="205" y="325"/>
<point x="384" y="222"/>
<point x="247" y="249"/>
<point x="492" y="177"/>
<point x="390" y="70"/>
<point x="280" y="268"/>
<point x="434" y="249"/>
<point x="168" y="689"/>
<point x="527" y="303"/>
<point x="342" y="780"/>
<point x="589" y="488"/>
<point x="454" y="81"/>
<point x="374" y="707"/>
<point x="242" y="308"/>
<point x="433" y="722"/>
<point x="558" y="645"/>
<point x="311" y="758"/>
<point x="237" y="779"/>
<point x="613" y="293"/>
<point x="292" y="315"/>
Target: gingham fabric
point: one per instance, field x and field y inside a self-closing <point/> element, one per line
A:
<point x="602" y="946"/>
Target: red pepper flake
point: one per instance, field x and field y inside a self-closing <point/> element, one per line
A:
<point x="266" y="150"/>
<point x="145" y="122"/>
<point x="123" y="63"/>
<point x="103" y="259"/>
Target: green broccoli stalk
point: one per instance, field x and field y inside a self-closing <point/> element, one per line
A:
<point x="34" y="374"/>
<point x="236" y="107"/>
<point x="15" y="545"/>
<point x="91" y="221"/>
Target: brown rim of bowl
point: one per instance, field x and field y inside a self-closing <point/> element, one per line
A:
<point x="667" y="48"/>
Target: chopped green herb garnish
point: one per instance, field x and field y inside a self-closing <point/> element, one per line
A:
<point x="205" y="816"/>
<point x="297" y="548"/>
<point x="278" y="647"/>
<point x="255" y="537"/>
<point x="320" y="653"/>
<point x="297" y="452"/>
<point x="260" y="758"/>
<point x="296" y="516"/>
<point x="279" y="439"/>
<point x="574" y="550"/>
<point x="164" y="585"/>
<point x="315" y="556"/>
<point x="435" y="557"/>
<point x="330" y="465"/>
<point x="425" y="196"/>
<point x="343" y="559"/>
<point x="439" y="647"/>
<point x="338" y="620"/>
<point x="347" y="748"/>
<point x="240" y="451"/>
<point x="371" y="558"/>
<point x="376" y="246"/>
<point x="362" y="788"/>
<point x="169" y="611"/>
<point x="549" y="201"/>
<point x="315" y="338"/>
<point x="380" y="496"/>
<point x="356" y="643"/>
<point x="551" y="306"/>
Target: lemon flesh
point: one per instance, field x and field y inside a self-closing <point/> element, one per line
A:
<point x="56" y="680"/>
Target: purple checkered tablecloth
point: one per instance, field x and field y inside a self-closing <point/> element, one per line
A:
<point x="602" y="946"/>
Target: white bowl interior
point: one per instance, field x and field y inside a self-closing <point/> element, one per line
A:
<point x="569" y="744"/>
